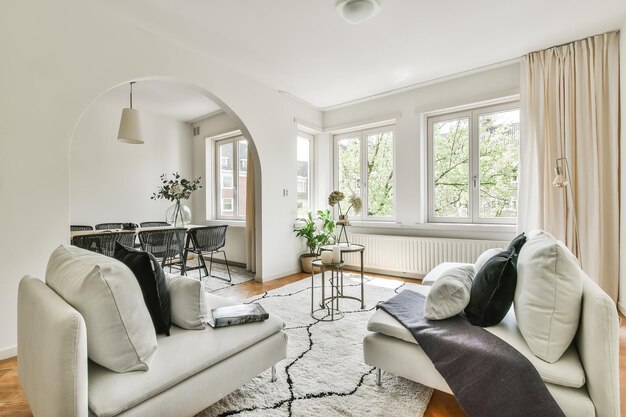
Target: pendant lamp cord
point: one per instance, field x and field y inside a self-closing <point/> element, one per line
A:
<point x="131" y="94"/>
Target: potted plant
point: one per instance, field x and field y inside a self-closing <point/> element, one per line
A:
<point x="316" y="233"/>
<point x="175" y="190"/>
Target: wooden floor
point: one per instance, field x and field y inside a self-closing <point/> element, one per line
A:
<point x="13" y="403"/>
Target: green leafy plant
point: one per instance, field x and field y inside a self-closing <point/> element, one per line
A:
<point x="315" y="234"/>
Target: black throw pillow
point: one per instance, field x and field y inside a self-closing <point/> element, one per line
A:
<point x="151" y="279"/>
<point x="517" y="244"/>
<point x="493" y="290"/>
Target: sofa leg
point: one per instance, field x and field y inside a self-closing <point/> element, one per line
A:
<point x="379" y="377"/>
<point x="274" y="378"/>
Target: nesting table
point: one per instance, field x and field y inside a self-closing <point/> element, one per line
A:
<point x="336" y="283"/>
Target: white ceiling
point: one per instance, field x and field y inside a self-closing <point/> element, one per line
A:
<point x="166" y="98"/>
<point x="304" y="48"/>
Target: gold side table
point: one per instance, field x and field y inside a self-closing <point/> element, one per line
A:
<point x="329" y="306"/>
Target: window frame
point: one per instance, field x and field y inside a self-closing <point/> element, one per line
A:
<point x="361" y="135"/>
<point x="472" y="114"/>
<point x="235" y="139"/>
<point x="311" y="139"/>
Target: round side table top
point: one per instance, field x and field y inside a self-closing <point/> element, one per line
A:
<point x="352" y="247"/>
<point x="319" y="263"/>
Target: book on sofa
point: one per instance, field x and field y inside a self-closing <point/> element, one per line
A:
<point x="237" y="314"/>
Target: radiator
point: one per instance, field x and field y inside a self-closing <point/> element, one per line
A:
<point x="235" y="246"/>
<point x="415" y="256"/>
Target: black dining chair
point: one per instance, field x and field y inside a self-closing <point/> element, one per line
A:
<point x="79" y="228"/>
<point x="208" y="239"/>
<point x="104" y="242"/>
<point x="153" y="224"/>
<point x="166" y="244"/>
<point x="105" y="226"/>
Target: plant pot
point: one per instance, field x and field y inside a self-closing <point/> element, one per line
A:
<point x="306" y="260"/>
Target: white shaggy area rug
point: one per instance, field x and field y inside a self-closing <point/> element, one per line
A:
<point x="324" y="373"/>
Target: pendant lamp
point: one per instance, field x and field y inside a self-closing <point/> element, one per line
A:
<point x="130" y="128"/>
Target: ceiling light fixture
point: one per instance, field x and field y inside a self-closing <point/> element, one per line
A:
<point x="130" y="128"/>
<point x="357" y="11"/>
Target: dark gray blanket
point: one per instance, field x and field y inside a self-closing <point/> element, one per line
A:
<point x="487" y="375"/>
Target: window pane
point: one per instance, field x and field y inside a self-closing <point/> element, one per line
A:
<point x="226" y="179"/>
<point x="451" y="168"/>
<point x="243" y="177"/>
<point x="349" y="166"/>
<point x="499" y="135"/>
<point x="380" y="174"/>
<point x="303" y="150"/>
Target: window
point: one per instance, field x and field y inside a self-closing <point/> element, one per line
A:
<point x="303" y="187"/>
<point x="364" y="165"/>
<point x="473" y="158"/>
<point x="227" y="204"/>
<point x="231" y="157"/>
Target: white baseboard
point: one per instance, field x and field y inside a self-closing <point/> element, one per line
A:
<point x="622" y="308"/>
<point x="283" y="274"/>
<point x="385" y="272"/>
<point x="8" y="352"/>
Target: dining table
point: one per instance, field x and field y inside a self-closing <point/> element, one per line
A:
<point x="136" y="230"/>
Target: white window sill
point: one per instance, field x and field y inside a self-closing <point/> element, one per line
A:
<point x="373" y="223"/>
<point x="233" y="223"/>
<point x="466" y="227"/>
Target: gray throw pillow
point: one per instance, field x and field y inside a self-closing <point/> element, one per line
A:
<point x="450" y="294"/>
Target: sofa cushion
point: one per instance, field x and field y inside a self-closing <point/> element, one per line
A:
<point x="517" y="243"/>
<point x="120" y="334"/>
<point x="450" y="294"/>
<point x="440" y="269"/>
<point x="188" y="302"/>
<point x="484" y="257"/>
<point x="151" y="279"/>
<point x="567" y="372"/>
<point x="183" y="354"/>
<point x="548" y="296"/>
<point x="493" y="290"/>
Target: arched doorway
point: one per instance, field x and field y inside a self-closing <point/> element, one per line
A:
<point x="111" y="181"/>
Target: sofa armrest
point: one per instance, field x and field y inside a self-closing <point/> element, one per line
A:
<point x="51" y="352"/>
<point x="597" y="341"/>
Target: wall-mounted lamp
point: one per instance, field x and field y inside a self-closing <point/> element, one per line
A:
<point x="130" y="128"/>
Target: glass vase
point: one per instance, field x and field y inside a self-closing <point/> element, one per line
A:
<point x="178" y="215"/>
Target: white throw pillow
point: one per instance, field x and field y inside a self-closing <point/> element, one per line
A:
<point x="438" y="271"/>
<point x="548" y="295"/>
<point x="188" y="302"/>
<point x="484" y="257"/>
<point x="120" y="333"/>
<point x="450" y="294"/>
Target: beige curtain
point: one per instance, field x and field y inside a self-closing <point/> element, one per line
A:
<point x="570" y="108"/>
<point x="250" y="219"/>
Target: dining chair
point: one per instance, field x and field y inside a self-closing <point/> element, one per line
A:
<point x="153" y="224"/>
<point x="79" y="228"/>
<point x="104" y="242"/>
<point x="104" y="226"/>
<point x="166" y="244"/>
<point x="207" y="239"/>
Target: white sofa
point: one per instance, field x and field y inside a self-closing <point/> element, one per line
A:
<point x="584" y="381"/>
<point x="191" y="369"/>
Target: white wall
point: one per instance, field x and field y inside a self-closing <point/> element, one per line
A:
<point x="63" y="56"/>
<point x="408" y="108"/>
<point x="111" y="181"/>
<point x="622" y="286"/>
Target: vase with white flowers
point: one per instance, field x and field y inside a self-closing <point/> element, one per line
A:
<point x="177" y="189"/>
<point x="355" y="202"/>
